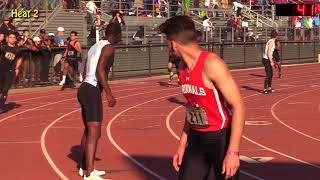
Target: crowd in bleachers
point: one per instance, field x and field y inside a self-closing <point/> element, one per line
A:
<point x="37" y="53"/>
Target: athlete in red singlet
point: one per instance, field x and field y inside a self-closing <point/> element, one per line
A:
<point x="212" y="131"/>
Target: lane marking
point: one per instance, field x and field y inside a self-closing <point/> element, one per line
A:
<point x="19" y="142"/>
<point x="178" y="138"/>
<point x="286" y="125"/>
<point x="44" y="133"/>
<point x="258" y="123"/>
<point x="282" y="154"/>
<point x="122" y="151"/>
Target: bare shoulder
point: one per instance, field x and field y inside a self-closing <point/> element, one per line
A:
<point x="214" y="62"/>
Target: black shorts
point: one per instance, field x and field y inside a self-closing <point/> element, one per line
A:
<point x="204" y="155"/>
<point x="276" y="56"/>
<point x="73" y="63"/>
<point x="90" y="100"/>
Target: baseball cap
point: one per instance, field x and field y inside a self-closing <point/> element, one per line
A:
<point x="50" y="34"/>
<point x="60" y="29"/>
<point x="35" y="39"/>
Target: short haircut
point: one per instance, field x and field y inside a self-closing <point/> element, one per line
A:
<point x="113" y="29"/>
<point x="274" y="34"/>
<point x="180" y="29"/>
<point x="11" y="33"/>
<point x="1" y="32"/>
<point x="25" y="30"/>
<point x="74" y="32"/>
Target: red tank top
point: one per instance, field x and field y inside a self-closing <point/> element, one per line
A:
<point x="210" y="100"/>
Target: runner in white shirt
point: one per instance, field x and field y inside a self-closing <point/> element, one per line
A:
<point x="99" y="61"/>
<point x="268" y="63"/>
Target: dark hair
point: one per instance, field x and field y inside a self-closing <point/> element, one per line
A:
<point x="42" y="31"/>
<point x="113" y="29"/>
<point x="1" y="32"/>
<point x="25" y="30"/>
<point x="274" y="34"/>
<point x="11" y="33"/>
<point x="74" y="32"/>
<point x="11" y="19"/>
<point x="180" y="29"/>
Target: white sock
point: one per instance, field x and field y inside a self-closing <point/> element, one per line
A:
<point x="64" y="78"/>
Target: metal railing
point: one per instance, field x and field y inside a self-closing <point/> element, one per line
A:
<point x="151" y="59"/>
<point x="46" y="21"/>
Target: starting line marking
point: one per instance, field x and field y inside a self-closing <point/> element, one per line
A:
<point x="255" y="160"/>
<point x="258" y="123"/>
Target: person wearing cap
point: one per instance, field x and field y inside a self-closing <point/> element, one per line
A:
<point x="5" y="25"/>
<point x="117" y="17"/>
<point x="42" y="35"/>
<point x="36" y="58"/>
<point x="91" y="11"/>
<point x="58" y="39"/>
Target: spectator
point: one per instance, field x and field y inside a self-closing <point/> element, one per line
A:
<point x="27" y="56"/>
<point x="137" y="5"/>
<point x="43" y="35"/>
<point x="59" y="39"/>
<point x="139" y="35"/>
<point x="92" y="36"/>
<point x="207" y="27"/>
<point x="36" y="58"/>
<point x="237" y="7"/>
<point x="46" y="58"/>
<point x="2" y="39"/>
<point x="5" y="28"/>
<point x="117" y="17"/>
<point x="224" y="6"/>
<point x="91" y="11"/>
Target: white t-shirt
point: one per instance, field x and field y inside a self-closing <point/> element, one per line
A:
<point x="92" y="62"/>
<point x="91" y="7"/>
<point x="265" y="54"/>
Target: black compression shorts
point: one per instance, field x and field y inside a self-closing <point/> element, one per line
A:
<point x="204" y="155"/>
<point x="90" y="100"/>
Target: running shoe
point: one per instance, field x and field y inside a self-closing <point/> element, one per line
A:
<point x="97" y="172"/>
<point x="171" y="76"/>
<point x="93" y="176"/>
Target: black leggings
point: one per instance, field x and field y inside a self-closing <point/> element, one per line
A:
<point x="269" y="73"/>
<point x="204" y="156"/>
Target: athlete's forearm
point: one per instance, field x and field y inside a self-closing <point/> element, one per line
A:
<point x="237" y="125"/>
<point x="18" y="63"/>
<point x="103" y="79"/>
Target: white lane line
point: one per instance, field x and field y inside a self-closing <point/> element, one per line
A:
<point x="113" y="142"/>
<point x="280" y="153"/>
<point x="44" y="134"/>
<point x="178" y="138"/>
<point x="286" y="125"/>
<point x="19" y="142"/>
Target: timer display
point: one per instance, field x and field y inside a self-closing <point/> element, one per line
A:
<point x="295" y="9"/>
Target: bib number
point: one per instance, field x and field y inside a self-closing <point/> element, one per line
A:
<point x="197" y="117"/>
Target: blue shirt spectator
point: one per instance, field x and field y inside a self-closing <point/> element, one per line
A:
<point x="316" y="21"/>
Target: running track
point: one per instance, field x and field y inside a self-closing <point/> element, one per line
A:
<point x="40" y="138"/>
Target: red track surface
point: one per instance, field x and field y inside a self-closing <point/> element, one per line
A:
<point x="40" y="138"/>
